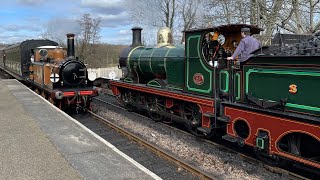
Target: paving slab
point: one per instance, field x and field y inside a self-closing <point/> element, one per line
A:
<point x="39" y="141"/>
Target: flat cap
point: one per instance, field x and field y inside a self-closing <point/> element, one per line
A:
<point x="245" y="29"/>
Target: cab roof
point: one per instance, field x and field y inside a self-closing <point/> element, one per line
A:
<point x="229" y="29"/>
<point x="49" y="47"/>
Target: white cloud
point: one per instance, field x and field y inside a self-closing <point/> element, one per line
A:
<point x="111" y="20"/>
<point x="112" y="12"/>
<point x="104" y="6"/>
<point x="112" y="16"/>
<point x="125" y="32"/>
<point x="102" y="3"/>
<point x="19" y="27"/>
<point x="30" y="2"/>
<point x="12" y="38"/>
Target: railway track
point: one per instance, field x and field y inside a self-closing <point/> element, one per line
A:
<point x="247" y="158"/>
<point x="166" y="155"/>
<point x="134" y="148"/>
<point x="4" y="75"/>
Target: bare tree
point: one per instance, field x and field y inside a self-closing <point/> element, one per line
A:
<point x="189" y="11"/>
<point x="89" y="34"/>
<point x="266" y="14"/>
<point x="227" y="11"/>
<point x="304" y="17"/>
<point x="153" y="13"/>
<point x="144" y="12"/>
<point x="293" y="16"/>
<point x="168" y="8"/>
<point x="314" y="21"/>
<point x="188" y="16"/>
<point x="271" y="15"/>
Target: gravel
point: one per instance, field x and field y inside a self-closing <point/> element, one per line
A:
<point x="219" y="163"/>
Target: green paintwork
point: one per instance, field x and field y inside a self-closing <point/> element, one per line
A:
<point x="260" y="142"/>
<point x="128" y="80"/>
<point x="272" y="84"/>
<point x="224" y="81"/>
<point x="175" y="67"/>
<point x="284" y="60"/>
<point x="154" y="83"/>
<point x="136" y="52"/>
<point x="195" y="63"/>
<point x="238" y="86"/>
<point x="163" y="63"/>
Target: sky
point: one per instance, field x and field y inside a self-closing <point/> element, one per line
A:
<point x="30" y="19"/>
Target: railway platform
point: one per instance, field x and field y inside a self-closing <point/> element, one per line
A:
<point x="39" y="141"/>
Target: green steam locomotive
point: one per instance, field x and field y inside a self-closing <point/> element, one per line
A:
<point x="269" y="102"/>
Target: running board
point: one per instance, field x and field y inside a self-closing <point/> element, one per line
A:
<point x="208" y="114"/>
<point x="225" y="119"/>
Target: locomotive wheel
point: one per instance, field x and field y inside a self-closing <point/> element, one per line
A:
<point x="155" y="104"/>
<point x="294" y="144"/>
<point x="59" y="104"/>
<point x="44" y="95"/>
<point x="37" y="91"/>
<point x="301" y="145"/>
<point x="191" y="112"/>
<point x="128" y="99"/>
<point x="120" y="100"/>
<point x="51" y="100"/>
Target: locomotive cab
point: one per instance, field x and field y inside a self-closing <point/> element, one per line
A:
<point x="206" y="66"/>
<point x="48" y="53"/>
<point x="220" y="42"/>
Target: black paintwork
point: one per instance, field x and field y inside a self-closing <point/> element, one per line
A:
<point x="124" y="57"/>
<point x="136" y="36"/>
<point x="229" y="29"/>
<point x="73" y="74"/>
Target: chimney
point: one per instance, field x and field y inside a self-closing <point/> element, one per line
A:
<point x="70" y="52"/>
<point x="136" y="36"/>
